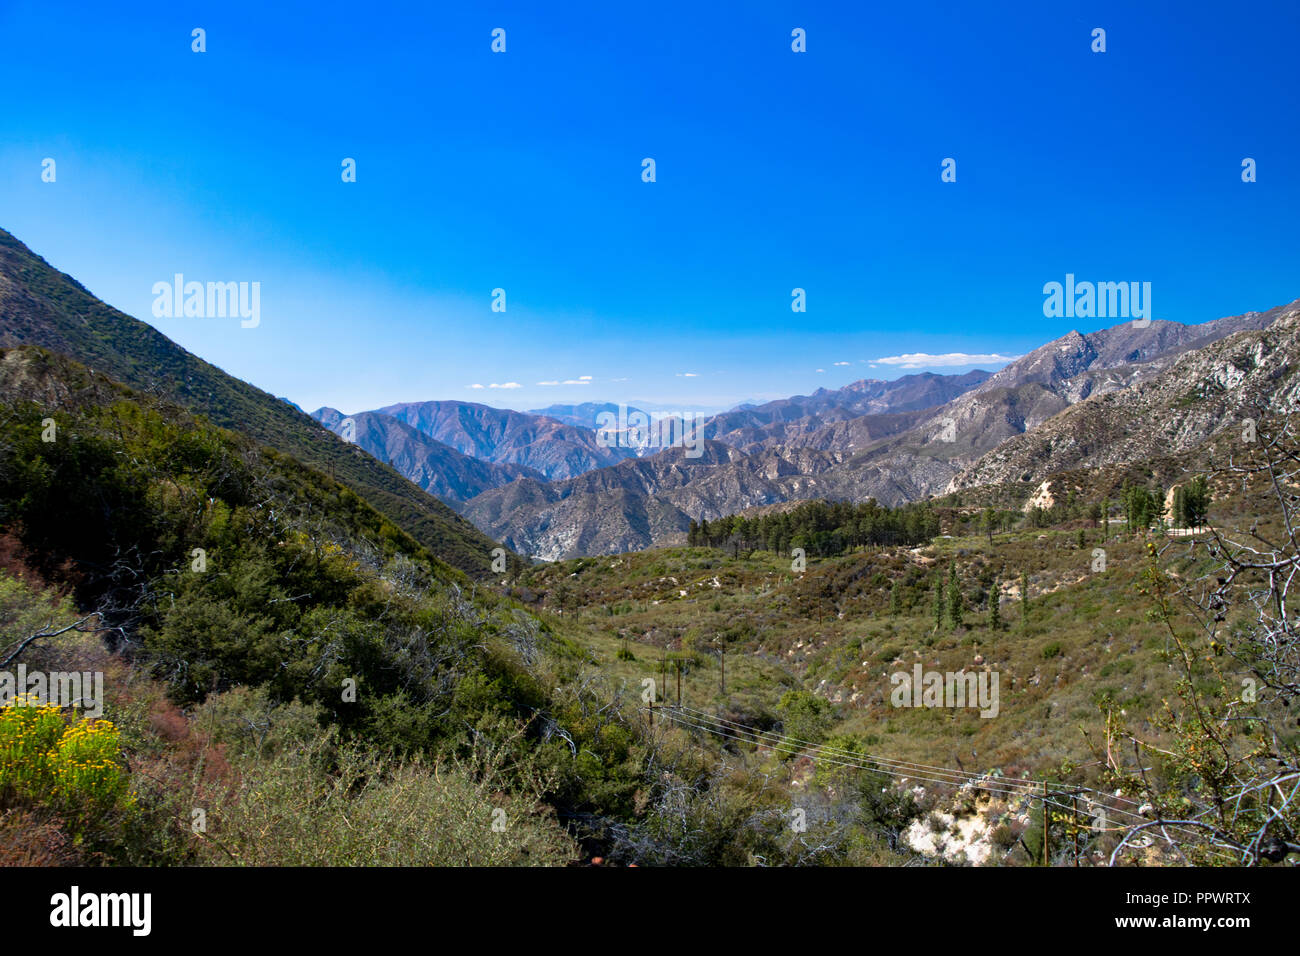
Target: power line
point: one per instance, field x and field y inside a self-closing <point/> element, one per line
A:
<point x="721" y="726"/>
<point x="916" y="769"/>
<point x="856" y="764"/>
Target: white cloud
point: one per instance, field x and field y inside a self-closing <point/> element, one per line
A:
<point x="580" y="380"/>
<point x="821" y="370"/>
<point x="475" y="385"/>
<point x="926" y="360"/>
<point x="843" y="363"/>
<point x="688" y="375"/>
<point x="506" y="385"/>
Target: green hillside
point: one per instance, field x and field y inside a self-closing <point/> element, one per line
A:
<point x="268" y="638"/>
<point x="41" y="306"/>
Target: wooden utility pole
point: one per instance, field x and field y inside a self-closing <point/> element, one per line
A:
<point x="679" y="683"/>
<point x="1047" y="829"/>
<point x="722" y="662"/>
<point x="1074" y="803"/>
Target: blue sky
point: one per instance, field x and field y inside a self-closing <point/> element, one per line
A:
<point x="522" y="171"/>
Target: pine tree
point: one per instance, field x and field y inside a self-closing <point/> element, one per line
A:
<point x="1180" y="507"/>
<point x="995" y="609"/>
<point x="895" y="603"/>
<point x="1196" y="502"/>
<point x="954" y="597"/>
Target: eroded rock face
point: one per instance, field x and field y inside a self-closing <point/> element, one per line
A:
<point x="1041" y="498"/>
<point x="1198" y="396"/>
<point x="962" y="840"/>
<point x="962" y="831"/>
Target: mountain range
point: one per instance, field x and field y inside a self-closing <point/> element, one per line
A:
<point x="437" y="468"/>
<point x="546" y="445"/>
<point x="978" y="429"/>
<point x="459" y="477"/>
